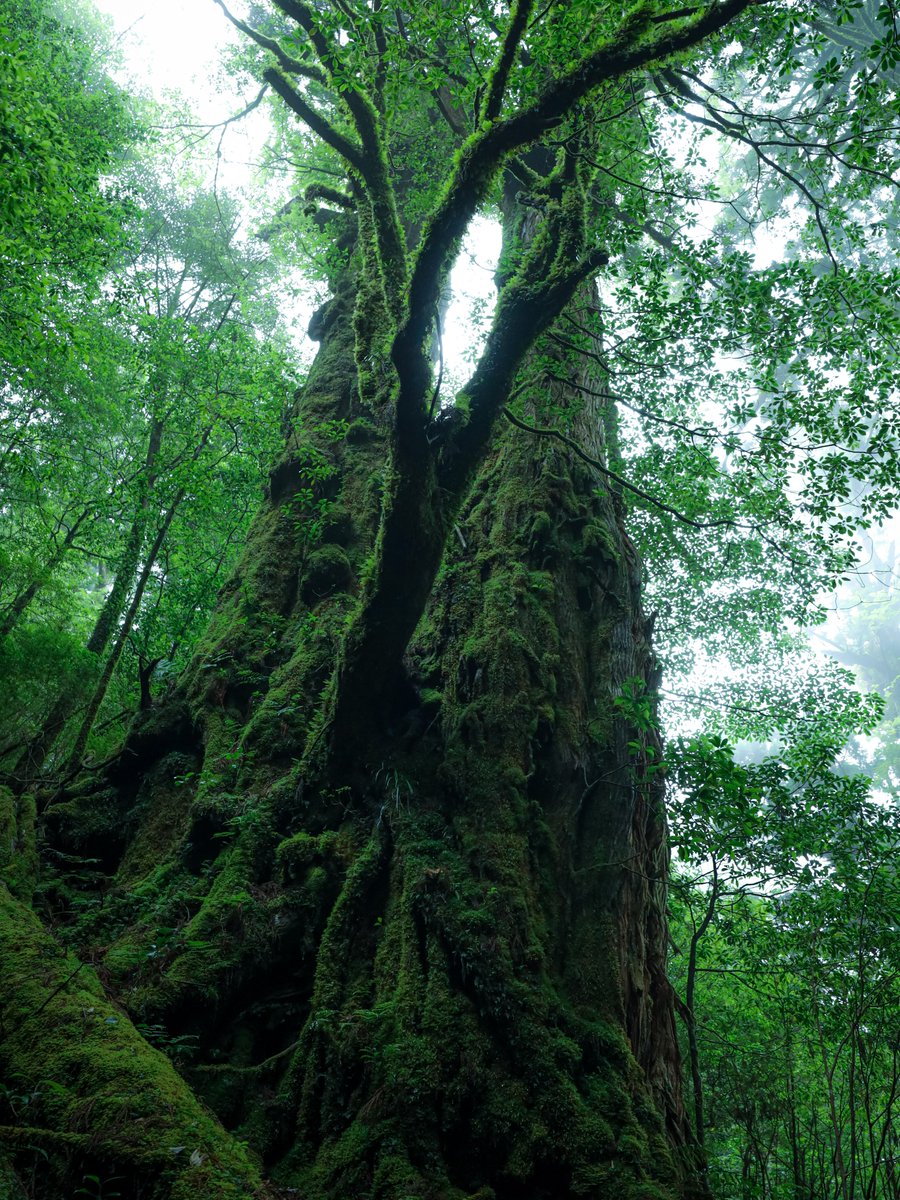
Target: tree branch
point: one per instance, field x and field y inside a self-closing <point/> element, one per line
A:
<point x="327" y="54"/>
<point x="358" y="104"/>
<point x="368" y="159"/>
<point x="348" y="150"/>
<point x="484" y="152"/>
<point x="523" y="313"/>
<point x="717" y="121"/>
<point x="321" y="191"/>
<point x="499" y="76"/>
<point x="292" y="65"/>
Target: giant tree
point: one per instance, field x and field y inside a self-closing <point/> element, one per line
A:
<point x="385" y="873"/>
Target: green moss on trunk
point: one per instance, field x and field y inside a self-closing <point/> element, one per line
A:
<point x="436" y="971"/>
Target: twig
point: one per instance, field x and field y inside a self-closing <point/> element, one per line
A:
<point x="598" y="466"/>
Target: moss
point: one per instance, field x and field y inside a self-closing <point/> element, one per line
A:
<point x="540" y="534"/>
<point x="88" y="819"/>
<point x="327" y="571"/>
<point x="483" y="895"/>
<point x="464" y="1033"/>
<point x="160" y="816"/>
<point x="361" y="431"/>
<point x="229" y="927"/>
<point x="597" y="540"/>
<point x="18" y="845"/>
<point x="431" y="700"/>
<point x="107" y="1081"/>
<point x="11" y="1187"/>
<point x="337" y="526"/>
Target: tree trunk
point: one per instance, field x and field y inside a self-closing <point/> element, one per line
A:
<point x="436" y="971"/>
<point x="112" y="661"/>
<point x="32" y="761"/>
<point x="689" y="1011"/>
<point x="10" y="618"/>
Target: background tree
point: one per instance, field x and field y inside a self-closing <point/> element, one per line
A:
<point x="179" y="401"/>
<point x="787" y="965"/>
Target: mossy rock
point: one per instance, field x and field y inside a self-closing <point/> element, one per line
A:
<point x="328" y="571"/>
<point x="59" y="1026"/>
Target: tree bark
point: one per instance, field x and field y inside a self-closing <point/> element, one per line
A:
<point x="436" y="970"/>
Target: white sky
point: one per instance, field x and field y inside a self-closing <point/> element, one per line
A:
<point x="173" y="44"/>
<point x="174" y="47"/>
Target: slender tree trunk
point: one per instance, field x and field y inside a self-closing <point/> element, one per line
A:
<point x="837" y="1125"/>
<point x="35" y="755"/>
<point x="112" y="661"/>
<point x="131" y="554"/>
<point x="19" y="606"/>
<point x="689" y="1011"/>
<point x="798" y="1171"/>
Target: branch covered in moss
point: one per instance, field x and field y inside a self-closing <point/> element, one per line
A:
<point x="518" y="23"/>
<point x="369" y="161"/>
<point x="348" y="150"/>
<point x="524" y="312"/>
<point x="321" y="191"/>
<point x="480" y="159"/>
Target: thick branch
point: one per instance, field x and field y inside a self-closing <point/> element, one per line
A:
<point x="524" y="312"/>
<point x="285" y="61"/>
<point x="327" y="53"/>
<point x="499" y="77"/>
<point x="321" y="191"/>
<point x="349" y="151"/>
<point x="368" y="159"/>
<point x="483" y="154"/>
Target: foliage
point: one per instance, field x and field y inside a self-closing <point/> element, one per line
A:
<point x="787" y="956"/>
<point x="63" y="128"/>
<point x="141" y="425"/>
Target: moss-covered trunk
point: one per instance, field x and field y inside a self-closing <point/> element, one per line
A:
<point x="435" y="971"/>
